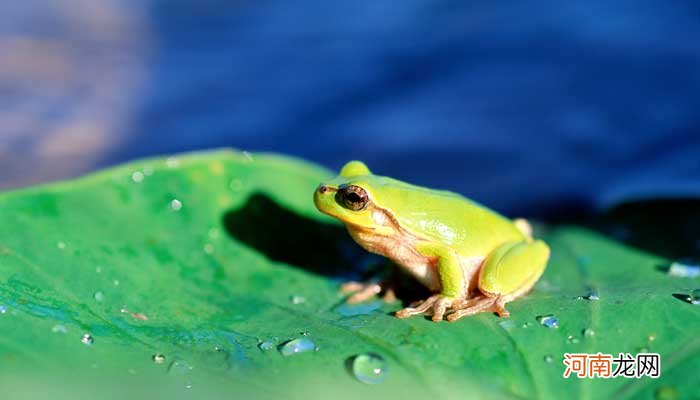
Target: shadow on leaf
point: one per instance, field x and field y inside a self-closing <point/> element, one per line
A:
<point x="287" y="237"/>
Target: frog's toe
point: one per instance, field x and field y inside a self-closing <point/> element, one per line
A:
<point x="440" y="307"/>
<point x="422" y="308"/>
<point x="478" y="305"/>
<point x="434" y="306"/>
<point x="365" y="293"/>
<point x="351" y="287"/>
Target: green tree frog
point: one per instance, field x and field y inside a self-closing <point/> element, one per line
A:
<point x="471" y="258"/>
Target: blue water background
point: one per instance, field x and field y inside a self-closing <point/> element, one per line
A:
<point x="534" y="108"/>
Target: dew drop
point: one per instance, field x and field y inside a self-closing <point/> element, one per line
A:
<point x="549" y="320"/>
<point x="694" y="297"/>
<point x="3" y="309"/>
<point x="172" y="162"/>
<point x="651" y="337"/>
<point x="684" y="268"/>
<point x="188" y="385"/>
<point x="527" y="325"/>
<point x="295" y="346"/>
<point x="98" y="269"/>
<point x="214" y="233"/>
<point x="59" y="329"/>
<point x="61" y="245"/>
<point x="548" y="359"/>
<point x="87" y="339"/>
<point x="588" y="332"/>
<point x="158" y="358"/>
<point x="297" y="299"/>
<point x="176" y="205"/>
<point x="591" y="295"/>
<point x="148" y="171"/>
<point x="368" y="368"/>
<point x="265" y="345"/>
<point x="116" y="282"/>
<point x="209" y="248"/>
<point x="137" y="177"/>
<point x="572" y="340"/>
<point x="99" y="296"/>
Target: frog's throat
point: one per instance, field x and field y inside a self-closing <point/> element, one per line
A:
<point x="386" y="225"/>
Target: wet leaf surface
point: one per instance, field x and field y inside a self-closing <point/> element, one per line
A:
<point x="190" y="275"/>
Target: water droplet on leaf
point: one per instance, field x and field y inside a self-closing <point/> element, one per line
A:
<point x="694" y="297"/>
<point x="172" y="162"/>
<point x="684" y="268"/>
<point x="548" y="359"/>
<point x="137" y="177"/>
<point x="176" y="205"/>
<point x="592" y="295"/>
<point x="550" y="321"/>
<point x="295" y="346"/>
<point x="87" y="339"/>
<point x="297" y="299"/>
<point x="369" y="368"/>
<point x="99" y="296"/>
<point x="158" y="358"/>
<point x="588" y="332"/>
<point x="266" y="345"/>
<point x="59" y="329"/>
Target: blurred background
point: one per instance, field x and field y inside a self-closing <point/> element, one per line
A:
<point x="546" y="109"/>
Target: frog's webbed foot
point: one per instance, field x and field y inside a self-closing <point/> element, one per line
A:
<point x="435" y="305"/>
<point x="476" y="305"/>
<point x="360" y="292"/>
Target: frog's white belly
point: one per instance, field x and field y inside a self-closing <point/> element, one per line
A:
<point x="402" y="251"/>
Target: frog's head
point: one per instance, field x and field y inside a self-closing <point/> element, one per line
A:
<point x="350" y="198"/>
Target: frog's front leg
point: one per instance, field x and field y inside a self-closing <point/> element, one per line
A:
<point x="452" y="283"/>
<point x="508" y="272"/>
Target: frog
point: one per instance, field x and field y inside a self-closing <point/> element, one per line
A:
<point x="472" y="259"/>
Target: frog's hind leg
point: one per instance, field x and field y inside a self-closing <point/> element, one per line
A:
<point x="508" y="272"/>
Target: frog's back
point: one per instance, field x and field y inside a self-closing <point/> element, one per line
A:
<point x="446" y="217"/>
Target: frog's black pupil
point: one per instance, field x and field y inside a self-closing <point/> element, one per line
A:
<point x="354" y="198"/>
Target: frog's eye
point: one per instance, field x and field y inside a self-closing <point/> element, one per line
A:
<point x="353" y="197"/>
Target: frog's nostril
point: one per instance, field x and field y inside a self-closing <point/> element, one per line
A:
<point x="322" y="189"/>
